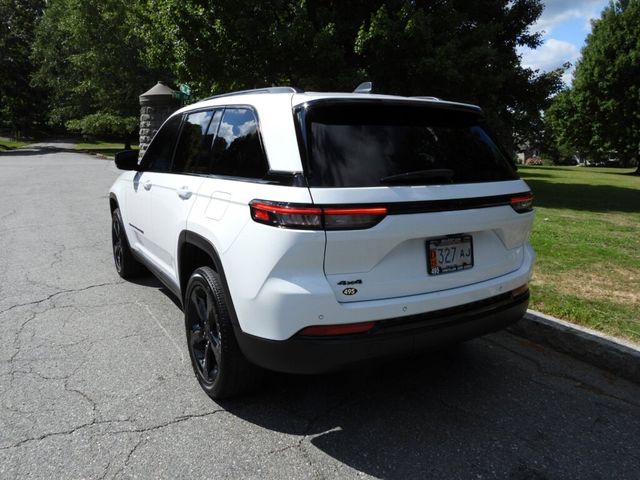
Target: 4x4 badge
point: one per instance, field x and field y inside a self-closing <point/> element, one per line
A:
<point x="350" y="291"/>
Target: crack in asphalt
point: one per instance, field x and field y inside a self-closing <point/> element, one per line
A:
<point x="143" y="440"/>
<point x="59" y="433"/>
<point x="106" y="470"/>
<point x="61" y="292"/>
<point x="94" y="422"/>
<point x="129" y="455"/>
<point x="175" y="421"/>
<point x="11" y="212"/>
<point x="307" y="432"/>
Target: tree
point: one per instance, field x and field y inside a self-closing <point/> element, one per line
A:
<point x="89" y="59"/>
<point x="600" y="114"/>
<point x="95" y="57"/>
<point x="464" y="51"/>
<point x="459" y="50"/>
<point x="20" y="106"/>
<point x="229" y="45"/>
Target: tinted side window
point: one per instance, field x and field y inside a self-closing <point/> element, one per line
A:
<point x="237" y="150"/>
<point x="158" y="156"/>
<point x="194" y="146"/>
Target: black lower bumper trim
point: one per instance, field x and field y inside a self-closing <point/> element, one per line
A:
<point x="391" y="337"/>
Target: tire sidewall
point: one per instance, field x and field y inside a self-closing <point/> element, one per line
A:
<point x="203" y="277"/>
<point x="116" y="217"/>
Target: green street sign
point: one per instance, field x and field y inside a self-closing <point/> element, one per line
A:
<point x="186" y="89"/>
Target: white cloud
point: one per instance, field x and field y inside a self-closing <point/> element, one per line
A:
<point x="550" y="55"/>
<point x="559" y="11"/>
<point x="553" y="52"/>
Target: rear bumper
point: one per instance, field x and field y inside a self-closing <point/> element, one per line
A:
<point x="392" y="337"/>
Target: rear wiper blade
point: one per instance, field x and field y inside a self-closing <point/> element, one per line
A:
<point x="419" y="175"/>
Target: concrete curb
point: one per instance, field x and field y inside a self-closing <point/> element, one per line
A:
<point x="609" y="353"/>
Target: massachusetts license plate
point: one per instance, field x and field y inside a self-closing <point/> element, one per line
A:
<point x="449" y="254"/>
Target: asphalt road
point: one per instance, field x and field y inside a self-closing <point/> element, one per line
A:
<point x="95" y="380"/>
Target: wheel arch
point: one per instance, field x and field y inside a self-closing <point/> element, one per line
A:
<point x="113" y="202"/>
<point x="195" y="251"/>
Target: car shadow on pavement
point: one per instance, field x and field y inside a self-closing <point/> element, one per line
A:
<point x="474" y="411"/>
<point x="151" y="281"/>
<point x="494" y="407"/>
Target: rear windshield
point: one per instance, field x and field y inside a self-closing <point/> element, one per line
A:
<point x="368" y="144"/>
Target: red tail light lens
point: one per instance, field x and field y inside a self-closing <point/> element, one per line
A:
<point x="329" y="330"/>
<point x="522" y="203"/>
<point x="315" y="218"/>
<point x="286" y="216"/>
<point x="520" y="290"/>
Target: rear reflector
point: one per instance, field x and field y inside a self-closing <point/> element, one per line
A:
<point x="522" y="203"/>
<point x="329" y="330"/>
<point x="307" y="217"/>
<point x="520" y="290"/>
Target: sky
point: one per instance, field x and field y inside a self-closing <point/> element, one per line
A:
<point x="565" y="25"/>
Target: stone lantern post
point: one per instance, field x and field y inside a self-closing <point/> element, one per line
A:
<point x="156" y="105"/>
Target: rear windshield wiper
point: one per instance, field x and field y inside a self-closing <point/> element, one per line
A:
<point x="434" y="175"/>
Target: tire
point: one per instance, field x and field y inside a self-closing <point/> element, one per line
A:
<point x="218" y="363"/>
<point x="126" y="265"/>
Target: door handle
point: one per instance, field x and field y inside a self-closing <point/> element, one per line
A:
<point x="147" y="185"/>
<point x="184" y="193"/>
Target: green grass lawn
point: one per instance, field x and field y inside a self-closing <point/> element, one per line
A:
<point x="108" y="149"/>
<point x="587" y="237"/>
<point x="6" y="144"/>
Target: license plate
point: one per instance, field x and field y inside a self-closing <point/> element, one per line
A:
<point x="449" y="254"/>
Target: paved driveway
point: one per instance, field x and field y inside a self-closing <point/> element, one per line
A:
<point x="95" y="380"/>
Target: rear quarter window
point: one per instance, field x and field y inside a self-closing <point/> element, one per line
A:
<point x="358" y="144"/>
<point x="237" y="148"/>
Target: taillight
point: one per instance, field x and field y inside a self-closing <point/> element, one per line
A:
<point x="522" y="203"/>
<point x="286" y="216"/>
<point x="330" y="330"/>
<point x="315" y="218"/>
<point x="352" y="218"/>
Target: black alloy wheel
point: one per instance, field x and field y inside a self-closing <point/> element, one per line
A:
<point x="126" y="265"/>
<point x="117" y="241"/>
<point x="220" y="367"/>
<point x="204" y="334"/>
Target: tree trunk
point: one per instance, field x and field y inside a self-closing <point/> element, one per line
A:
<point x="127" y="142"/>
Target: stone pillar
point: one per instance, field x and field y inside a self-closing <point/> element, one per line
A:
<point x="156" y="105"/>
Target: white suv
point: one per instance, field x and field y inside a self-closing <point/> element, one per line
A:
<point x="306" y="231"/>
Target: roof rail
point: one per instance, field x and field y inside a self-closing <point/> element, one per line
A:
<point x="256" y="90"/>
<point x="428" y="98"/>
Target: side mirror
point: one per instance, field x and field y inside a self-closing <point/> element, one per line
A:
<point x="127" y="160"/>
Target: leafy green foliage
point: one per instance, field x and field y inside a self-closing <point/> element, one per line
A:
<point x="98" y="56"/>
<point x="599" y="116"/>
<point x="229" y="45"/>
<point x="463" y="51"/>
<point x="11" y="144"/>
<point x="20" y="106"/>
<point x="106" y="123"/>
<point x="89" y="59"/>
